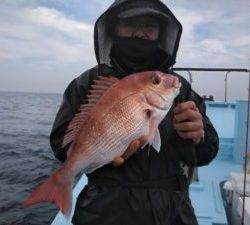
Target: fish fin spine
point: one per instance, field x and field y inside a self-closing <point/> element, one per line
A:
<point x="99" y="87"/>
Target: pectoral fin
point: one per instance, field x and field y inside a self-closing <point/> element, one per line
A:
<point x="157" y="141"/>
<point x="154" y="137"/>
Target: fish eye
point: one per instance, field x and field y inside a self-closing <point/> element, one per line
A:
<point x="156" y="80"/>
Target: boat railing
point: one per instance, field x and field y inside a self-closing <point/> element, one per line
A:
<point x="241" y="131"/>
<point x="227" y="71"/>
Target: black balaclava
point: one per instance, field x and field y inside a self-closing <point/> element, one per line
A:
<point x="136" y="54"/>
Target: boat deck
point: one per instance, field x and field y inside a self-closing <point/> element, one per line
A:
<point x="206" y="194"/>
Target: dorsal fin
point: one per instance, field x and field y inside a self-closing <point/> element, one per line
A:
<point x="99" y="87"/>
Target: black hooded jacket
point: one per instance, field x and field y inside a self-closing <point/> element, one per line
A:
<point x="150" y="187"/>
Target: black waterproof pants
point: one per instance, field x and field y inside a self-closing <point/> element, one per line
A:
<point x="134" y="204"/>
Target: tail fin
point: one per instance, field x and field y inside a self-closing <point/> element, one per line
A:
<point x="55" y="189"/>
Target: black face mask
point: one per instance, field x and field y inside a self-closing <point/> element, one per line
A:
<point x="135" y="54"/>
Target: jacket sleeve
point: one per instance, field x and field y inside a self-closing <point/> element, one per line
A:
<point x="73" y="97"/>
<point x="203" y="153"/>
<point x="208" y="148"/>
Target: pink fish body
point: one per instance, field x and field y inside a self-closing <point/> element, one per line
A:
<point x="118" y="113"/>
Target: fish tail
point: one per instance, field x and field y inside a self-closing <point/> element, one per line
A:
<point x="55" y="189"/>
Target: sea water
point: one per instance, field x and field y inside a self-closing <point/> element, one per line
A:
<point x="26" y="158"/>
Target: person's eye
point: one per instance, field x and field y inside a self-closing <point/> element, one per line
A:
<point x="150" y="25"/>
<point x="125" y="24"/>
<point x="129" y="24"/>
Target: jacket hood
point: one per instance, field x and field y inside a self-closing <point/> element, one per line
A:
<point x="171" y="28"/>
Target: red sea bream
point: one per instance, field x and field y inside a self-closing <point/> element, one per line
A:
<point x="117" y="113"/>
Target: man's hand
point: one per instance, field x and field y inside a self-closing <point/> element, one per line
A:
<point x="132" y="148"/>
<point x="188" y="121"/>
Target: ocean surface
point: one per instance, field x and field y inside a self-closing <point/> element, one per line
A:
<point x="26" y="158"/>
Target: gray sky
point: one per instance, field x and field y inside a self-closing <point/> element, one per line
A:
<point x="44" y="44"/>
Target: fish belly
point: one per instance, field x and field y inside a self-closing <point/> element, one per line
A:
<point x="112" y="133"/>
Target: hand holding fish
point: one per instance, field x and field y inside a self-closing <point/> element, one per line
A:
<point x="132" y="148"/>
<point x="188" y="121"/>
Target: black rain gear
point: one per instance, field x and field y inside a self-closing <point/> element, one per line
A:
<point x="150" y="188"/>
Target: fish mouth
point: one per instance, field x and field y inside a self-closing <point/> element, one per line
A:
<point x="177" y="84"/>
<point x="168" y="100"/>
<point x="169" y="80"/>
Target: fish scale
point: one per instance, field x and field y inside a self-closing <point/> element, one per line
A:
<point x="112" y="144"/>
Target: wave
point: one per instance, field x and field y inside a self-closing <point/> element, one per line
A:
<point x="26" y="158"/>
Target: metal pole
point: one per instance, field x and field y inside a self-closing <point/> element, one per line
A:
<point x="226" y="77"/>
<point x="246" y="147"/>
<point x="210" y="69"/>
<point x="190" y="77"/>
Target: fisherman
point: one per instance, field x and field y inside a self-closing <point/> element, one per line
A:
<point x="142" y="186"/>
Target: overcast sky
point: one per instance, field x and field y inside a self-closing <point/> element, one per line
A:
<point x="44" y="44"/>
